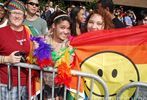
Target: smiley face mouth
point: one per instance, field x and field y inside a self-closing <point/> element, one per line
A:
<point x="103" y="95"/>
<point x="131" y="81"/>
<point x="98" y="94"/>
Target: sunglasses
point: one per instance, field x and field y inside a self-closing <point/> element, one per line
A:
<point x="32" y="4"/>
<point x="145" y="19"/>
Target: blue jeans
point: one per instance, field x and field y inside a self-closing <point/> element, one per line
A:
<point x="12" y="94"/>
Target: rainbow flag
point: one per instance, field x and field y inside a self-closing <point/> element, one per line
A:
<point x="117" y="56"/>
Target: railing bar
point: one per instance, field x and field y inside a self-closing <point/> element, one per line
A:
<point x="53" y="86"/>
<point x="19" y="96"/>
<point x="73" y="72"/>
<point x="65" y="92"/>
<point x="91" y="88"/>
<point x="9" y="80"/>
<point x="9" y="77"/>
<point x="130" y="85"/>
<point x="41" y="81"/>
<point x="30" y="88"/>
<point x="78" y="89"/>
<point x="136" y="92"/>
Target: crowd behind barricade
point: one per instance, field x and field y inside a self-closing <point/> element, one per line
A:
<point x="55" y="26"/>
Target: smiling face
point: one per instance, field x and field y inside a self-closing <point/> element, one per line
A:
<point x="16" y="17"/>
<point x="114" y="68"/>
<point x="61" y="30"/>
<point x="95" y="22"/>
<point x="32" y="6"/>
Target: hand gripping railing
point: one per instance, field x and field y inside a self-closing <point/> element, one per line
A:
<point x="51" y="69"/>
<point x="130" y="85"/>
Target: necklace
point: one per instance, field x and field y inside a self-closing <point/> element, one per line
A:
<point x="22" y="40"/>
<point x="57" y="46"/>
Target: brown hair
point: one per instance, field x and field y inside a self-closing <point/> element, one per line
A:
<point x="107" y="18"/>
<point x="108" y="24"/>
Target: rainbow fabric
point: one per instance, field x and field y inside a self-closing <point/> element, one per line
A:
<point x="117" y="56"/>
<point x="16" y="5"/>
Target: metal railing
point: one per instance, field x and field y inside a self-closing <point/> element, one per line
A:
<point x="51" y="69"/>
<point x="130" y="85"/>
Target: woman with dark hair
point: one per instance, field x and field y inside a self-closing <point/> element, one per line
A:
<point x="77" y="18"/>
<point x="98" y="20"/>
<point x="58" y="39"/>
<point x="52" y="16"/>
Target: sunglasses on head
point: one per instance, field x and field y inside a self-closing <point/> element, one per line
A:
<point x="32" y="4"/>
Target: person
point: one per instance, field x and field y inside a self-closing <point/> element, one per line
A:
<point x="77" y="18"/>
<point x="127" y="20"/>
<point x="3" y="19"/>
<point x="144" y="14"/>
<point x="98" y="21"/>
<point x="107" y="5"/>
<point x="50" y="21"/>
<point x="51" y="6"/>
<point x="14" y="45"/>
<point x="142" y="19"/>
<point x="33" y="20"/>
<point x="58" y="40"/>
<point x="46" y="13"/>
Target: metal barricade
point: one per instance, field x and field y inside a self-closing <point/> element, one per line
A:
<point x="130" y="85"/>
<point x="51" y="69"/>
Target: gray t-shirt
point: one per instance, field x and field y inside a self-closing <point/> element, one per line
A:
<point x="39" y="24"/>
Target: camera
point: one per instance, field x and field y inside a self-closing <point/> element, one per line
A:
<point x="23" y="56"/>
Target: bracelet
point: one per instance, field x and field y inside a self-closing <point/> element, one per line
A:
<point x="2" y="59"/>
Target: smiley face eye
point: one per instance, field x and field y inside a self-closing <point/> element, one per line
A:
<point x="114" y="73"/>
<point x="100" y="72"/>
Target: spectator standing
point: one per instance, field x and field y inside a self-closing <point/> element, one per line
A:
<point x="118" y="17"/>
<point x="51" y="7"/>
<point x="14" y="39"/>
<point x="46" y="13"/>
<point x="77" y="18"/>
<point x="98" y="21"/>
<point x="127" y="20"/>
<point x="33" y="20"/>
<point x="59" y="41"/>
<point x="3" y="19"/>
<point x="133" y="17"/>
<point x="108" y="6"/>
<point x="142" y="19"/>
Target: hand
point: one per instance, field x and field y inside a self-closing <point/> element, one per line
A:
<point x="12" y="58"/>
<point x="35" y="45"/>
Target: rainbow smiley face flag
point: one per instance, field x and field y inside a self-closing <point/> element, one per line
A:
<point x="117" y="56"/>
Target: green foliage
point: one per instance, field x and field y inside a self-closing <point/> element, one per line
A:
<point x="91" y="5"/>
<point x="1" y="1"/>
<point x="61" y="4"/>
<point x="42" y="4"/>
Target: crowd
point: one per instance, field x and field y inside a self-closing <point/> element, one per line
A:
<point x="18" y="21"/>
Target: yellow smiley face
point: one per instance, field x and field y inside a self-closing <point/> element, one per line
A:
<point x="114" y="68"/>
